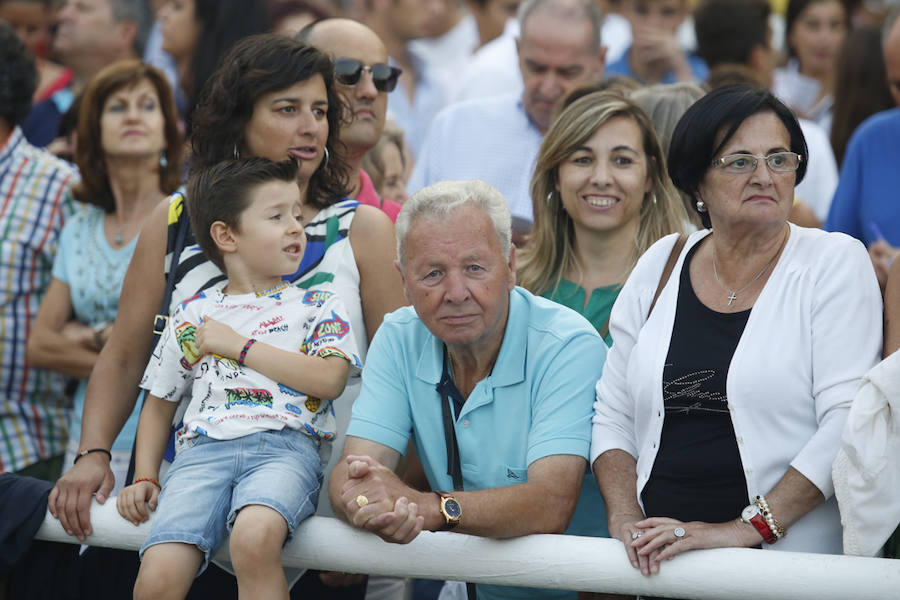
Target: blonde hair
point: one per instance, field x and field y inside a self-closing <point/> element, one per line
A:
<point x="550" y="251"/>
<point x="665" y="103"/>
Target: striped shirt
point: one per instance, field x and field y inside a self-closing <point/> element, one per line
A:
<point x="34" y="203"/>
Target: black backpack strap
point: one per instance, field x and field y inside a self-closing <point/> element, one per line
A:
<point x="161" y="320"/>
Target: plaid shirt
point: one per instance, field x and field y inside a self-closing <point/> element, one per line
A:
<point x="34" y="203"/>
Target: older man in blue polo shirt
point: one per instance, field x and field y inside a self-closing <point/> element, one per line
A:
<point x="494" y="384"/>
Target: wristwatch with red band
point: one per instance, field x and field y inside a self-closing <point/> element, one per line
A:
<point x="752" y="516"/>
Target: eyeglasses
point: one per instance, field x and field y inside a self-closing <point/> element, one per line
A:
<point x="778" y="162"/>
<point x="348" y="71"/>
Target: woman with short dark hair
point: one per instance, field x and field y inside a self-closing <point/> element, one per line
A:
<point x="722" y="401"/>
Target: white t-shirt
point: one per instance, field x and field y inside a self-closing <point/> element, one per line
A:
<point x="228" y="400"/>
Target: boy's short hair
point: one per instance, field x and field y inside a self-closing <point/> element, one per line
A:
<point x="222" y="192"/>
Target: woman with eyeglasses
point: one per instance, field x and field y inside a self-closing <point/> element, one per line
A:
<point x="272" y="97"/>
<point x="722" y="400"/>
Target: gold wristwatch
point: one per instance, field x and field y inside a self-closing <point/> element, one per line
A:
<point x="451" y="510"/>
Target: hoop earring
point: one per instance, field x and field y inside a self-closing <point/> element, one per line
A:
<point x="163" y="161"/>
<point x="325" y="160"/>
<point x="236" y="153"/>
<point x="701" y="206"/>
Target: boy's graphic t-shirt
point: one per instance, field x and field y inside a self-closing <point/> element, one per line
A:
<point x="228" y="400"/>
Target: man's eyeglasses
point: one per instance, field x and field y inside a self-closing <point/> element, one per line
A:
<point x="348" y="71"/>
<point x="778" y="162"/>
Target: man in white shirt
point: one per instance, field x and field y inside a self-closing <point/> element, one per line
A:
<point x="497" y="139"/>
<point x="419" y="96"/>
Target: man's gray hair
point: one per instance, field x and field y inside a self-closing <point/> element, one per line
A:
<point x="439" y="200"/>
<point x="138" y="11"/>
<point x="576" y="9"/>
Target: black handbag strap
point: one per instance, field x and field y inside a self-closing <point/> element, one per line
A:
<point x="454" y="469"/>
<point x="161" y="320"/>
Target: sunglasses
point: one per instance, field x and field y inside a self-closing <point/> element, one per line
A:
<point x="348" y="71"/>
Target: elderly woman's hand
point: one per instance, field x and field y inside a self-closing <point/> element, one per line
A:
<point x="663" y="538"/>
<point x="625" y="529"/>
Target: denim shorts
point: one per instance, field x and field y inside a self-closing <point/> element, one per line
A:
<point x="212" y="480"/>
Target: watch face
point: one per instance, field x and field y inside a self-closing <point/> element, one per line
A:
<point x="452" y="508"/>
<point x="749" y="512"/>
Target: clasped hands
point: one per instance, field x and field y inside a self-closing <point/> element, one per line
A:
<point x="375" y="499"/>
<point x="648" y="542"/>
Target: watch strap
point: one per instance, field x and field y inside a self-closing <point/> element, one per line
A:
<point x="449" y="522"/>
<point x="759" y="522"/>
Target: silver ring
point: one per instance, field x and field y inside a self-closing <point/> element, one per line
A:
<point x="679" y="533"/>
<point x="636" y="535"/>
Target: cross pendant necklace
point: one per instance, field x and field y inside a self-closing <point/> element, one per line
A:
<point x="733" y="294"/>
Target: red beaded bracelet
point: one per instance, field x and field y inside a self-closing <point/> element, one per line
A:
<point x="243" y="355"/>
<point x="151" y="480"/>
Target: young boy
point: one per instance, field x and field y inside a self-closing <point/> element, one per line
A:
<point x="247" y="457"/>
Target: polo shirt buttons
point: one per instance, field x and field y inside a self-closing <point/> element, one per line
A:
<point x="465" y="423"/>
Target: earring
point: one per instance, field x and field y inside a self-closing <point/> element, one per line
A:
<point x="236" y="153"/>
<point x="550" y="196"/>
<point x="163" y="161"/>
<point x="654" y="198"/>
<point x="701" y="206"/>
<point x="325" y="160"/>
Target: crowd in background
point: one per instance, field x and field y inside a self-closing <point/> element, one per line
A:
<point x="616" y="131"/>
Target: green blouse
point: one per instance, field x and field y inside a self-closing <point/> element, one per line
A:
<point x="598" y="307"/>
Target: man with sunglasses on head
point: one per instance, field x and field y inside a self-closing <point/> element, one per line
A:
<point x="496" y="139"/>
<point x="365" y="79"/>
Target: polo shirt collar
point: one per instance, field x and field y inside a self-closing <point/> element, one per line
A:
<point x="510" y="366"/>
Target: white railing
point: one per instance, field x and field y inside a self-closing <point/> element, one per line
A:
<point x="553" y="561"/>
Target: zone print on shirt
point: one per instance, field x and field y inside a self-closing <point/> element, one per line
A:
<point x="228" y="400"/>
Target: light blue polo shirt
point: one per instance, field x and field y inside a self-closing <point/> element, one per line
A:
<point x="536" y="402"/>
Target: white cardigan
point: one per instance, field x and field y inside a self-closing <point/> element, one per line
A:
<point x="814" y="331"/>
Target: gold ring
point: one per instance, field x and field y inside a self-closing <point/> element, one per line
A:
<point x="361" y="500"/>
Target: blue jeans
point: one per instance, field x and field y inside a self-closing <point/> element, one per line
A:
<point x="212" y="480"/>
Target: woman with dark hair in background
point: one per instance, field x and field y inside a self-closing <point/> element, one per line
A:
<point x="721" y="405"/>
<point x="861" y="87"/>
<point x="197" y="33"/>
<point x="129" y="156"/>
<point x="815" y="30"/>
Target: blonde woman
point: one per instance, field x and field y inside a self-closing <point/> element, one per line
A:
<point x="601" y="197"/>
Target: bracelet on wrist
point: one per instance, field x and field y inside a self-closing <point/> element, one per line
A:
<point x="86" y="452"/>
<point x="150" y="480"/>
<point x="777" y="530"/>
<point x="244" y="351"/>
